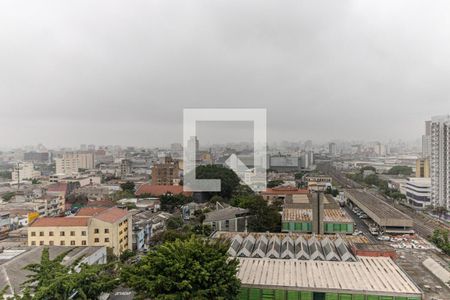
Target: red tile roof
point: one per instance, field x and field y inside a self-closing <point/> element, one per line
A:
<point x="284" y="190"/>
<point x="111" y="215"/>
<point x="100" y="203"/>
<point x="90" y="211"/>
<point x="60" y="221"/>
<point x="159" y="190"/>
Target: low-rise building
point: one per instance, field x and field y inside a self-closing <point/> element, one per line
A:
<point x="418" y="192"/>
<point x="319" y="182"/>
<point x="227" y="218"/>
<point x="110" y="227"/>
<point x="301" y="220"/>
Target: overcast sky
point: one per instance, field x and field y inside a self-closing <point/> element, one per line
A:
<point x="121" y="72"/>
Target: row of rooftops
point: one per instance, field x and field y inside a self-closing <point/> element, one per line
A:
<point x="289" y="248"/>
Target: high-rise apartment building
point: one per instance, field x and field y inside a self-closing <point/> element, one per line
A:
<point x="426" y="140"/>
<point x="332" y="149"/>
<point x="440" y="161"/>
<point x="71" y="162"/>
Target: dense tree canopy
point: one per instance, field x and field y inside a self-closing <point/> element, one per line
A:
<point x="263" y="217"/>
<point x="169" y="202"/>
<point x="50" y="279"/>
<point x="228" y="179"/>
<point x="400" y="170"/>
<point x="128" y="186"/>
<point x="274" y="183"/>
<point x="185" y="269"/>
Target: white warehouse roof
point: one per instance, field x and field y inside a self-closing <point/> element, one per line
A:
<point x="368" y="275"/>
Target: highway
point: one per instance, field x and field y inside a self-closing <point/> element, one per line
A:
<point x="360" y="225"/>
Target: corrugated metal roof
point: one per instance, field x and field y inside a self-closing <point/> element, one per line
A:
<point x="367" y="275"/>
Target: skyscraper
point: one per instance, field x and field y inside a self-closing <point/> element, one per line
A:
<point x="440" y="161"/>
<point x="426" y="140"/>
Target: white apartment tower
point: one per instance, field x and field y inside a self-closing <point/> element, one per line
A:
<point x="440" y="161"/>
<point x="71" y="162"/>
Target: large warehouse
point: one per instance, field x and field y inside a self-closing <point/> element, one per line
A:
<point x="389" y="219"/>
<point x="314" y="267"/>
<point x="369" y="278"/>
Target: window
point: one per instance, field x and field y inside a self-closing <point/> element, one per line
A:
<point x="41" y="233"/>
<point x="72" y="243"/>
<point x="62" y="243"/>
<point x="83" y="243"/>
<point x="83" y="233"/>
<point x="33" y="243"/>
<point x="72" y="233"/>
<point x="106" y="230"/>
<point x="51" y="243"/>
<point x="96" y="240"/>
<point x="96" y="230"/>
<point x="50" y="233"/>
<point x="106" y="240"/>
<point x="62" y="233"/>
<point x="33" y="233"/>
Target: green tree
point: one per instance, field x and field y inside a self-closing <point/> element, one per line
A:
<point x="169" y="202"/>
<point x="400" y="170"/>
<point x="185" y="269"/>
<point x="5" y="174"/>
<point x="274" y="183"/>
<point x="440" y="238"/>
<point x="262" y="216"/>
<point x="228" y="179"/>
<point x="8" y="195"/>
<point x="128" y="186"/>
<point x="367" y="168"/>
<point x="50" y="279"/>
<point x="174" y="222"/>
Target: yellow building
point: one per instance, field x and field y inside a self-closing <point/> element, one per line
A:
<point x="110" y="227"/>
<point x="423" y="168"/>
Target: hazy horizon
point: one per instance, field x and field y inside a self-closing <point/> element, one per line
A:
<point x="115" y="72"/>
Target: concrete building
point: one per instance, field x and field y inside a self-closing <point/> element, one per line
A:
<point x="319" y="182"/>
<point x="423" y="167"/>
<point x="125" y="167"/>
<point x="426" y="140"/>
<point x="24" y="171"/>
<point x="386" y="218"/>
<point x="166" y="172"/>
<point x="440" y="161"/>
<point x="332" y="149"/>
<point x="227" y="219"/>
<point x="71" y="162"/>
<point x="110" y="227"/>
<point x="302" y="220"/>
<point x="418" y="192"/>
<point x="37" y="157"/>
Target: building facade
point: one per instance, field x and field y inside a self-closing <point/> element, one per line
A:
<point x="24" y="170"/>
<point x="418" y="192"/>
<point x="71" y="162"/>
<point x="166" y="172"/>
<point x="440" y="161"/>
<point x="110" y="227"/>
